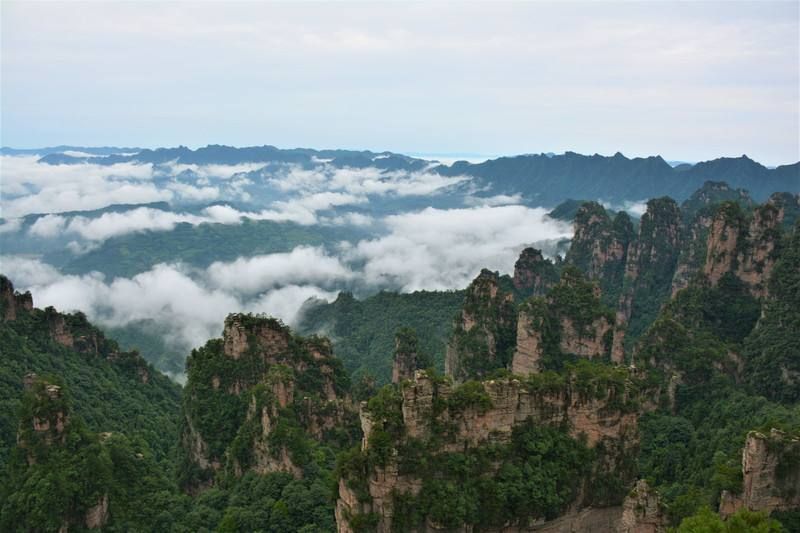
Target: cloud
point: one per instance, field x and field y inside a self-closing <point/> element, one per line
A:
<point x="636" y="209"/>
<point x="110" y="225"/>
<point x="349" y="219"/>
<point x="33" y="187"/>
<point x="11" y="225"/>
<point x="445" y="249"/>
<point x="499" y="199"/>
<point x="113" y="224"/>
<point x="171" y="295"/>
<point x="429" y="249"/>
<point x="48" y="226"/>
<point x="214" y="170"/>
<point x="361" y="181"/>
<point x="192" y="193"/>
<point x="303" y="265"/>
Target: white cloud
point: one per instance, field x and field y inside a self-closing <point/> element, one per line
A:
<point x="11" y="225"/>
<point x="33" y="187"/>
<point x="287" y="301"/>
<point x="429" y="249"/>
<point x="445" y="249"/>
<point x="303" y="265"/>
<point x="48" y="226"/>
<point x="349" y="219"/>
<point x="110" y="225"/>
<point x="499" y="199"/>
<point x="169" y="294"/>
<point x="362" y="181"/>
<point x="214" y="170"/>
<point x="636" y="209"/>
<point x="192" y="193"/>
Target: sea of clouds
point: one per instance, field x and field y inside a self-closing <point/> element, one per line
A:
<point x="424" y="248"/>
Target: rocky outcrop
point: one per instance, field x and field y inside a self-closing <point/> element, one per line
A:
<point x="757" y="260"/>
<point x="49" y="416"/>
<point x="405" y="355"/>
<point x="771" y="469"/>
<point x="533" y="274"/>
<point x="649" y="271"/>
<point x="97" y="515"/>
<point x="600" y="246"/>
<point x="13" y="303"/>
<point x="693" y="255"/>
<point x="275" y="391"/>
<point x="703" y="201"/>
<point x="530" y="346"/>
<point x="771" y="475"/>
<point x="597" y="415"/>
<point x="485" y="333"/>
<point x="268" y="338"/>
<point x="571" y="321"/>
<point x="590" y="341"/>
<point x="642" y="511"/>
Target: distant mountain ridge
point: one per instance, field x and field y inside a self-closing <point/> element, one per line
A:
<point x="542" y="179"/>
<point x="550" y="179"/>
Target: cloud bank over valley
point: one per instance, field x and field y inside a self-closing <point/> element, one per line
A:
<point x="180" y="242"/>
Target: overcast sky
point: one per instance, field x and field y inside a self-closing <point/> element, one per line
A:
<point x="690" y="81"/>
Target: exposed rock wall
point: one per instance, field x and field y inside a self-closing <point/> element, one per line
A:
<point x="728" y="239"/>
<point x="404" y="362"/>
<point x="533" y="274"/>
<point x="586" y="342"/>
<point x="571" y="321"/>
<point x="12" y="301"/>
<point x="649" y="271"/>
<point x="771" y="475"/>
<point x="485" y="333"/>
<point x="771" y="469"/>
<point x="530" y="348"/>
<point x="596" y="417"/>
<point x="600" y="247"/>
<point x="271" y="381"/>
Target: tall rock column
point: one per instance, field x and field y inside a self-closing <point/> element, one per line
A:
<point x="649" y="271"/>
<point x="405" y="355"/>
<point x="485" y="332"/>
<point x="533" y="274"/>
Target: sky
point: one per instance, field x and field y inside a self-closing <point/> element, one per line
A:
<point x="688" y="80"/>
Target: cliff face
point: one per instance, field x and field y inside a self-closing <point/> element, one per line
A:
<point x="600" y="246"/>
<point x="649" y="270"/>
<point x="48" y="417"/>
<point x="405" y="355"/>
<point x="445" y="420"/>
<point x="485" y="332"/>
<point x="254" y="397"/>
<point x="727" y="232"/>
<point x="533" y="274"/>
<point x="44" y="431"/>
<point x="771" y="468"/>
<point x="771" y="474"/>
<point x="72" y="331"/>
<point x="12" y="301"/>
<point x="571" y="321"/>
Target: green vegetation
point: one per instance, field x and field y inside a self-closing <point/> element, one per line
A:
<point x="536" y="475"/>
<point x="485" y="332"/>
<point x="196" y="245"/>
<point x="56" y="476"/>
<point x="107" y="390"/>
<point x="744" y="521"/>
<point x="363" y="331"/>
<point x="773" y="349"/>
<point x="712" y="364"/>
<point x="691" y="448"/>
<point x="658" y="249"/>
